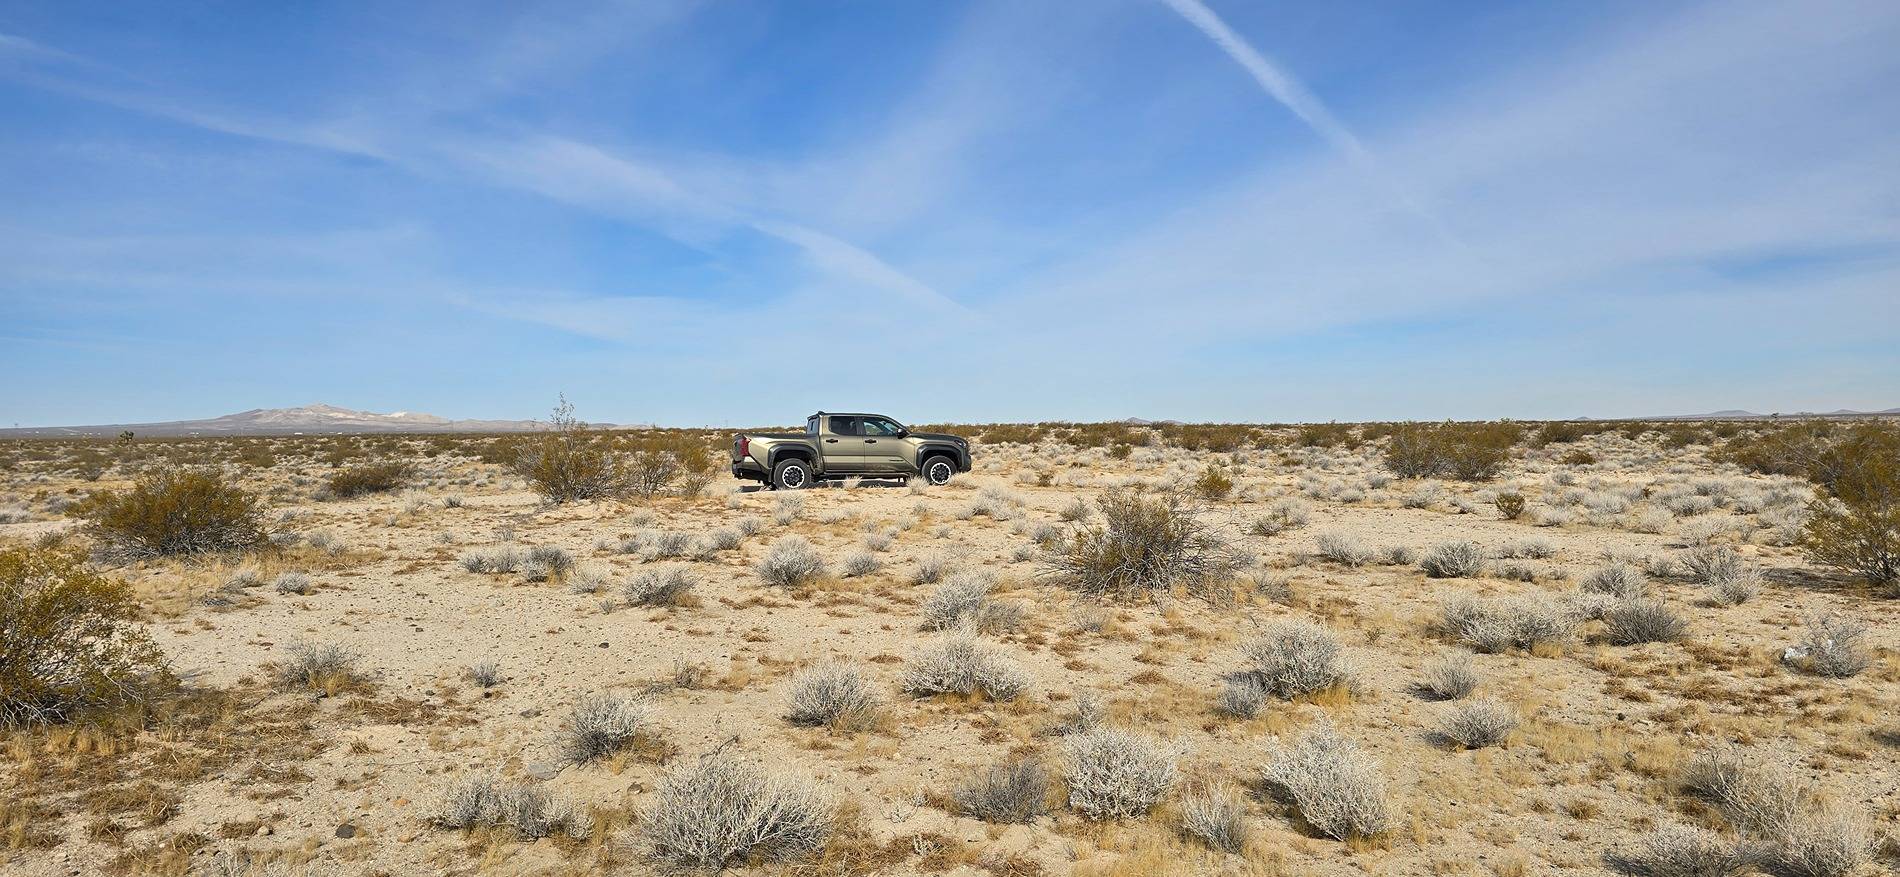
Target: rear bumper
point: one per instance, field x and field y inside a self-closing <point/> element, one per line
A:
<point x="750" y="469"/>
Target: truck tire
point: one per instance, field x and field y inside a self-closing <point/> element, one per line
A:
<point x="792" y="474"/>
<point x="937" y="470"/>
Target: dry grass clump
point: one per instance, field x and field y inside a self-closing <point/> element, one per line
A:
<point x="368" y="478"/>
<point x="175" y="511"/>
<point x="1479" y="723"/>
<point x="1833" y="646"/>
<point x="1688" y="851"/>
<point x="1294" y="658"/>
<point x="668" y="586"/>
<point x="70" y="641"/>
<point x="1340" y="548"/>
<point x="1454" y="560"/>
<point x="527" y="811"/>
<point x="322" y="668"/>
<point x="1013" y="792"/>
<point x="1146" y="544"/>
<point x="1495" y="625"/>
<point x="1216" y="815"/>
<point x="604" y="724"/>
<point x="1450" y="677"/>
<point x="960" y="664"/>
<point x="790" y="563"/>
<point x="1115" y="774"/>
<point x="719" y="810"/>
<point x="838" y="695"/>
<point x="1334" y="786"/>
<point x="1633" y="622"/>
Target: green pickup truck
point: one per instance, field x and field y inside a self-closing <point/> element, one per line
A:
<point x="835" y="446"/>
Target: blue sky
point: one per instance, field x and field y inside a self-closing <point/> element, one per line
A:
<point x="737" y="212"/>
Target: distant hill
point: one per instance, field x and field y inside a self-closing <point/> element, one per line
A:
<point x="309" y="419"/>
<point x="1738" y="414"/>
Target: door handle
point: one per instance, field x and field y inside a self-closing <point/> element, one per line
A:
<point x="870" y="441"/>
<point x="831" y="441"/>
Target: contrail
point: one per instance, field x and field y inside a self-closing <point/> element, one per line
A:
<point x="1285" y="88"/>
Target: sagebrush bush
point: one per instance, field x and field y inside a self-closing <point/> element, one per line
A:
<point x="838" y="694"/>
<point x="860" y="563"/>
<point x="960" y="664"/>
<point x="1633" y="622"/>
<point x="957" y="601"/>
<point x="1833" y="646"/>
<point x="368" y="478"/>
<point x="1496" y="625"/>
<point x="1340" y="548"/>
<point x="790" y="563"/>
<point x="70" y="639"/>
<point x="1454" y="560"/>
<point x="668" y="586"/>
<point x="1688" y="851"/>
<point x="1479" y="723"/>
<point x="1617" y="579"/>
<point x="1013" y="792"/>
<point x="503" y="559"/>
<point x="603" y="724"/>
<point x="485" y="673"/>
<point x="1830" y="840"/>
<point x="1336" y="788"/>
<point x="719" y="810"/>
<point x="1450" y="677"/>
<point x="1242" y="695"/>
<point x="1216" y="816"/>
<point x="174" y="511"/>
<point x="1293" y="658"/>
<point x="292" y="582"/>
<point x="1115" y="774"/>
<point x="529" y="812"/>
<point x="1753" y="794"/>
<point x="546" y="562"/>
<point x="1145" y="544"/>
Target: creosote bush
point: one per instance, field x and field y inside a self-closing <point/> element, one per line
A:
<point x="603" y="724"/>
<point x="719" y="810"/>
<point x="838" y="695"/>
<point x="1116" y="774"/>
<point x="1856" y="526"/>
<point x="174" y="511"/>
<point x="1465" y="451"/>
<point x="1013" y="792"/>
<point x="1145" y="544"/>
<point x="1336" y="788"/>
<point x="70" y="641"/>
<point x="790" y="563"/>
<point x="368" y="478"/>
<point x="1510" y="505"/>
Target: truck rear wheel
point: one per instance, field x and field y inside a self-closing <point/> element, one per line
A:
<point x="938" y="469"/>
<point x="792" y="474"/>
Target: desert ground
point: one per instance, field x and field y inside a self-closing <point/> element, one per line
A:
<point x="444" y="674"/>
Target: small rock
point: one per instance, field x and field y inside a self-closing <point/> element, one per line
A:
<point x="263" y="831"/>
<point x="346" y="831"/>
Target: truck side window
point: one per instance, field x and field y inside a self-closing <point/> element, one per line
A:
<point x="811" y="426"/>
<point x="845" y="426"/>
<point x="879" y="426"/>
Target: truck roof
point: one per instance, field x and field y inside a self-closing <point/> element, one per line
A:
<point x="848" y="414"/>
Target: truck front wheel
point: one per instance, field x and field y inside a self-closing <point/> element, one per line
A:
<point x="792" y="474"/>
<point x="938" y="469"/>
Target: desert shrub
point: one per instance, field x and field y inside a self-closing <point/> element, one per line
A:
<point x="1495" y="625"/>
<point x="1146" y="544"/>
<point x="1115" y="774"/>
<point x="1450" y="677"/>
<point x="292" y="583"/>
<point x="1479" y="723"/>
<point x="719" y="810"/>
<point x="368" y="478"/>
<point x="1013" y="792"/>
<point x="1340" y="548"/>
<point x="70" y="641"/>
<point x="1336" y="788"/>
<point x="1293" y="658"/>
<point x="1242" y="695"/>
<point x="603" y="724"/>
<point x="566" y="464"/>
<point x="1688" y="851"/>
<point x="838" y="695"/>
<point x="1510" y="505"/>
<point x="486" y="674"/>
<point x="1755" y="795"/>
<point x="1216" y="816"/>
<point x="1282" y="515"/>
<point x="1857" y="526"/>
<point x="660" y="587"/>
<point x="1465" y="451"/>
<point x="546" y="562"/>
<point x="931" y="568"/>
<point x="1706" y="563"/>
<point x="321" y="668"/>
<point x="1735" y="585"/>
<point x="504" y="559"/>
<point x="667" y="462"/>
<point x="1214" y="484"/>
<point x="790" y="563"/>
<point x="1830" y="840"/>
<point x="1454" y="560"/>
<point x="860" y="563"/>
<point x="959" y="664"/>
<point x="1617" y="579"/>
<point x="528" y="812"/>
<point x="1633" y="622"/>
<point x="1833" y="646"/>
<point x="174" y="511"/>
<point x="963" y="599"/>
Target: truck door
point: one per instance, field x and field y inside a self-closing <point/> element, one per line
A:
<point x="884" y="450"/>
<point x="842" y="443"/>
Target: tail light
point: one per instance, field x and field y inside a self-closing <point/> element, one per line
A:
<point x="745" y="446"/>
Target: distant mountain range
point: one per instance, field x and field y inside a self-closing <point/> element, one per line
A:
<point x="310" y="419"/>
<point x="1738" y="414"/>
